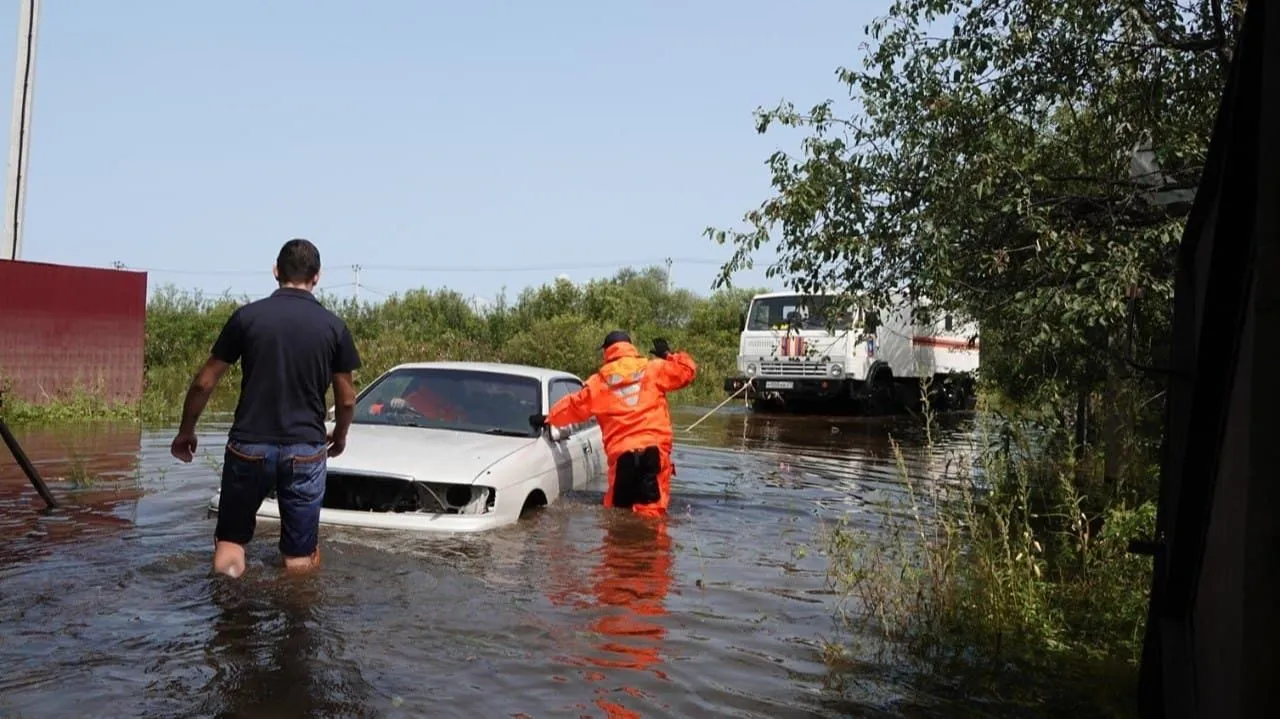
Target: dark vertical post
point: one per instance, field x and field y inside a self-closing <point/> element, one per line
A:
<point x="27" y="467"/>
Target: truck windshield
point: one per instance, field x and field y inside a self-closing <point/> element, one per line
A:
<point x="796" y="311"/>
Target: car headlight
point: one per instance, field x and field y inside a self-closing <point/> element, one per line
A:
<point x="836" y="370"/>
<point x="751" y="368"/>
<point x="467" y="499"/>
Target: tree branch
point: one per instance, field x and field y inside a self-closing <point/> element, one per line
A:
<point x="1169" y="39"/>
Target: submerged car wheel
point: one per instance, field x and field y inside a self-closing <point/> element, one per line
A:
<point x="536" y="500"/>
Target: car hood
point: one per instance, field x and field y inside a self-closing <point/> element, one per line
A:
<point x="424" y="454"/>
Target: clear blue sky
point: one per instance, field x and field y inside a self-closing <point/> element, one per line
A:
<point x="397" y="133"/>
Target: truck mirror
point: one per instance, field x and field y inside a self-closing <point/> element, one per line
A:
<point x="742" y="320"/>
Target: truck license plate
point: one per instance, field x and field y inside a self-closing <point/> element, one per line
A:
<point x="779" y="385"/>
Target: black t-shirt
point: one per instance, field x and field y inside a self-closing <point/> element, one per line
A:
<point x="290" y="347"/>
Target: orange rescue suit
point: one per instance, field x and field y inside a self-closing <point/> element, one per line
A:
<point x="627" y="396"/>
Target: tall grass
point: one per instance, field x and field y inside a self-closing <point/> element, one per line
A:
<point x="1001" y="573"/>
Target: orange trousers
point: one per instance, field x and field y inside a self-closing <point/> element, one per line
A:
<point x="664" y="485"/>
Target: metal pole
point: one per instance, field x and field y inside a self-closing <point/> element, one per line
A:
<point x="24" y="83"/>
<point x="356" y="269"/>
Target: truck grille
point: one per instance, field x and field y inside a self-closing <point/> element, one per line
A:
<point x="770" y="368"/>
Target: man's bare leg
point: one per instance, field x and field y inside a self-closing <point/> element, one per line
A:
<point x="302" y="565"/>
<point x="228" y="559"/>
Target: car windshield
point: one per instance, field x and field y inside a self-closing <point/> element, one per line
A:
<point x="463" y="400"/>
<point x="795" y="311"/>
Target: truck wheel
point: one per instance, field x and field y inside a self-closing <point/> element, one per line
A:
<point x="880" y="391"/>
<point x="953" y="394"/>
<point x="940" y="394"/>
<point x="966" y="397"/>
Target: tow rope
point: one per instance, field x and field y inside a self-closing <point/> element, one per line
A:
<point x="715" y="409"/>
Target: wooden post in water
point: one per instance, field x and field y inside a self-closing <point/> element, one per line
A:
<point x="24" y="462"/>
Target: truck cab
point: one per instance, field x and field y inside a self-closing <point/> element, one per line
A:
<point x="799" y="348"/>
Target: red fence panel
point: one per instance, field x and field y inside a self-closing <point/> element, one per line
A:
<point x="65" y="328"/>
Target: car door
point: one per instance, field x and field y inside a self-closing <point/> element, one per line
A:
<point x="575" y="450"/>
<point x="592" y="451"/>
<point x="583" y="450"/>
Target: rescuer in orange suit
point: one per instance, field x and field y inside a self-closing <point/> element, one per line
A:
<point x="627" y="396"/>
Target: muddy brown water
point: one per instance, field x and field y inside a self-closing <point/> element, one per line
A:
<point x="107" y="607"/>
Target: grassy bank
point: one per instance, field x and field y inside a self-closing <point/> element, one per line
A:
<point x="556" y="325"/>
<point x="1005" y="575"/>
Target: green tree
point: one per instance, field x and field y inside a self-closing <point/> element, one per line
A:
<point x="1031" y="168"/>
<point x="181" y="327"/>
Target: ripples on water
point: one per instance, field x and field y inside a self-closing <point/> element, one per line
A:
<point x="107" y="607"/>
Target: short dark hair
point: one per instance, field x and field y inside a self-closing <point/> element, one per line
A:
<point x="298" y="261"/>
<point x="615" y="337"/>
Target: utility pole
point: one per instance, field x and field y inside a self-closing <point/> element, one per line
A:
<point x="668" y="274"/>
<point x="24" y="83"/>
<point x="118" y="265"/>
<point x="356" y="269"/>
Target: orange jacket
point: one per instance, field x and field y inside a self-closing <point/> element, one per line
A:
<point x="628" y="397"/>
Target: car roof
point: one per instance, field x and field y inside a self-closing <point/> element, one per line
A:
<point x="789" y="293"/>
<point x="785" y="293"/>
<point x="519" y="370"/>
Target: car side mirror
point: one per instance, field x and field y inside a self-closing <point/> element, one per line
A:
<point x="742" y="320"/>
<point x="558" y="434"/>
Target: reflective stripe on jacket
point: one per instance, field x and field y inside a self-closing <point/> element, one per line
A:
<point x="628" y="398"/>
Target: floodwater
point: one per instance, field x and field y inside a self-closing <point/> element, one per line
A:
<point x="107" y="606"/>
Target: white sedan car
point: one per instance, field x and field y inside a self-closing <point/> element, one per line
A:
<point x="457" y="453"/>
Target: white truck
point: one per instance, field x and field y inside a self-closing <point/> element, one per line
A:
<point x="789" y="356"/>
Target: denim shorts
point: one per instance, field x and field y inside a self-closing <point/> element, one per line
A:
<point x="251" y="471"/>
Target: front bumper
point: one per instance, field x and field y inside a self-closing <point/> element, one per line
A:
<point x="404" y="521"/>
<point x="807" y="386"/>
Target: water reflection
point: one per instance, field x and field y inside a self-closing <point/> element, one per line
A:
<point x="633" y="578"/>
<point x="93" y="471"/>
<point x="719" y="609"/>
<point x="872" y="435"/>
<point x="625" y="595"/>
<point x="272" y="656"/>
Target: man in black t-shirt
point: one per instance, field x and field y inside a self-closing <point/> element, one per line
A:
<point x="291" y="349"/>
